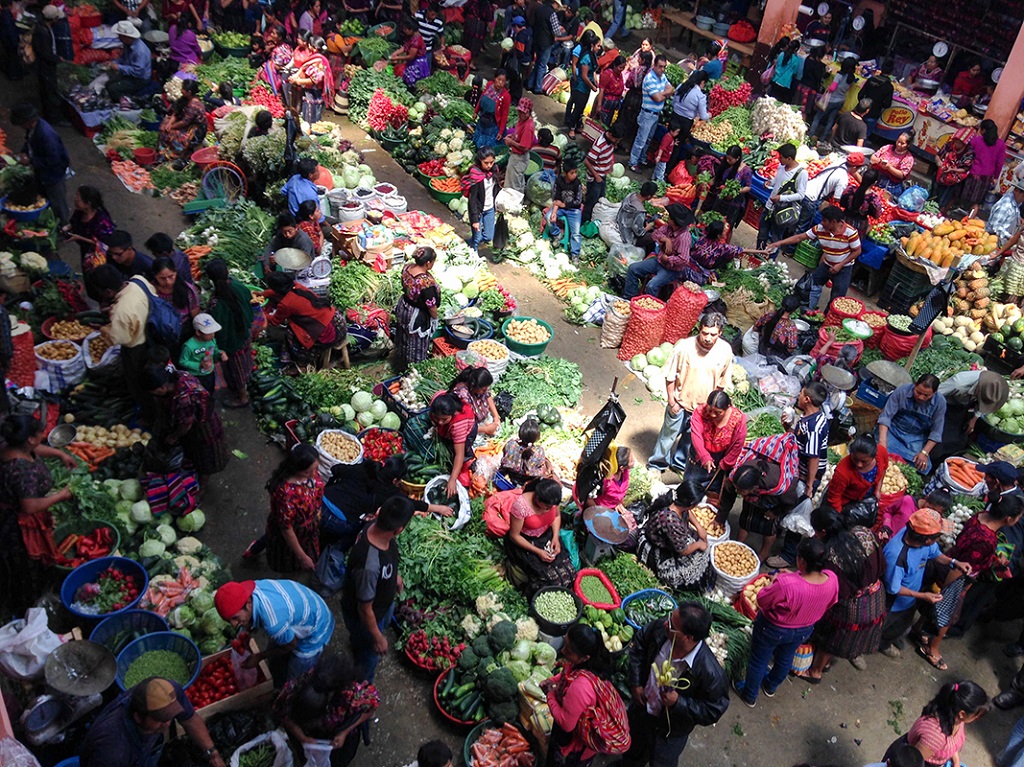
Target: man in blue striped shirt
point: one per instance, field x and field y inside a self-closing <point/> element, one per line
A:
<point x="656" y="90"/>
<point x="295" y="618"/>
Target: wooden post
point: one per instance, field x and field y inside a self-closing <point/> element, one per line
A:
<point x="914" y="352"/>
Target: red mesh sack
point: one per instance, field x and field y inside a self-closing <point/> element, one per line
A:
<point x="896" y="346"/>
<point x="645" y="328"/>
<point x="835" y="316"/>
<point x="684" y="308"/>
<point x="833" y="351"/>
<point x="877" y="330"/>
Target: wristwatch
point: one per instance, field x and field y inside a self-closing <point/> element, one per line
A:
<point x="208" y="753"/>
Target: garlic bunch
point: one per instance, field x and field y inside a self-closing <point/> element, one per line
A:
<point x="717" y="644"/>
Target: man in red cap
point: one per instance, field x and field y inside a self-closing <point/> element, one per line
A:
<point x="130" y="731"/>
<point x="297" y="620"/>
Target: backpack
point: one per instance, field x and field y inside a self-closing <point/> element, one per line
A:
<point x="605" y="727"/>
<point x="163" y="324"/>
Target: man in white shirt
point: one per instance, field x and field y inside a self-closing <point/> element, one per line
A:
<point x="828" y="186"/>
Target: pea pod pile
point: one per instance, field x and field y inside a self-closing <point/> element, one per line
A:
<point x="556" y="606"/>
<point x="260" y="756"/>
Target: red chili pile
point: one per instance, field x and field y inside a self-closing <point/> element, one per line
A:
<point x="434" y="653"/>
<point x="96" y="544"/>
<point x="379" y="444"/>
<point x="215" y="682"/>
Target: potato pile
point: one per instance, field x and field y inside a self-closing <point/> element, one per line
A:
<point x="735" y="559"/>
<point x="69" y="330"/>
<point x="752" y="589"/>
<point x="894" y="480"/>
<point x="115" y="437"/>
<point x="706" y="516"/>
<point x="341" y="446"/>
<point x="57" y="350"/>
<point x="490" y="350"/>
<point x="527" y="331"/>
<point x="621" y="308"/>
<point x="848" y="306"/>
<point x="97" y="347"/>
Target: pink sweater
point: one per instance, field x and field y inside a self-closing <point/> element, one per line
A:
<point x="567" y="702"/>
<point x="791" y="602"/>
<point x="988" y="160"/>
<point x="895" y="517"/>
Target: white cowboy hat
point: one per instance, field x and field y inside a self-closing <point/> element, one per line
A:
<point x="126" y="29"/>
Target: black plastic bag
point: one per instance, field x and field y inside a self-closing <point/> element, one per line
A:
<point x="500" y="241"/>
<point x="503" y="402"/>
<point x="802" y="289"/>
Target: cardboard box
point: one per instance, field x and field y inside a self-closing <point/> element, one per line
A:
<point x="244" y="699"/>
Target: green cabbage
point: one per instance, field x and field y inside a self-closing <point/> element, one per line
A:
<point x="211" y="622"/>
<point x="131" y="490"/>
<point x="181" y="617"/>
<point x="522" y="650"/>
<point x="140" y="513"/>
<point x="544" y="654"/>
<point x="378" y="410"/>
<point x="361" y="401"/>
<point x="391" y="421"/>
<point x="151" y="548"/>
<point x="211" y="645"/>
<point x="520" y="669"/>
<point x="365" y="419"/>
<point x="201" y="601"/>
<point x="167" y="534"/>
<point x="192" y="523"/>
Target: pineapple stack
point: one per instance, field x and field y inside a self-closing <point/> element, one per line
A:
<point x="973" y="294"/>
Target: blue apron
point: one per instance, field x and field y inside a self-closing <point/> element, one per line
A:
<point x="908" y="434"/>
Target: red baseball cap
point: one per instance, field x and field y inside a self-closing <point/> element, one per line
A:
<point x="232" y="596"/>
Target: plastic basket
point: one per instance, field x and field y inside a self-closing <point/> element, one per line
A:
<point x="88" y="573"/>
<point x="161" y="640"/>
<point x="414" y="490"/>
<point x="589" y="571"/>
<point x="442" y="197"/>
<point x="527" y="350"/>
<point x="23" y="215"/>
<point x="374" y="31"/>
<point x="644" y="594"/>
<point x="83" y="526"/>
<point x="555" y="629"/>
<point x="131" y="622"/>
<point x="437" y="701"/>
<point x="483" y="327"/>
<point x="807" y="254"/>
<point x="47" y="327"/>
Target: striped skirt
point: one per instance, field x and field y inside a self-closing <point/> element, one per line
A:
<point x="853" y="626"/>
<point x="238" y="369"/>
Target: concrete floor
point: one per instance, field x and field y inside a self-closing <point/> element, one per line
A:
<point x="848" y="720"/>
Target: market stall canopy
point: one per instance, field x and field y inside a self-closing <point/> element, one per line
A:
<point x="80" y="668"/>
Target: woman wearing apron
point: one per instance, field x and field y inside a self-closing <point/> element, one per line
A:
<point x="455" y="424"/>
<point x="912" y="422"/>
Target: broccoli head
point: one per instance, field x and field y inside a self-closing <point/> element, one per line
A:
<point x="481" y="647"/>
<point x="502" y="636"/>
<point x="506" y="711"/>
<point x="500" y="685"/>
<point x="468" y="660"/>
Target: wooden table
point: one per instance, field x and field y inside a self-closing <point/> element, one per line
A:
<point x="685" y="20"/>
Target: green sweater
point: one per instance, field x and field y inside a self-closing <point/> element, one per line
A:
<point x="233" y="335"/>
<point x="194" y="351"/>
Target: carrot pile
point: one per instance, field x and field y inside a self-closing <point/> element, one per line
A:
<point x="449" y="184"/>
<point x="502" y="748"/>
<point x="963" y="472"/>
<point x="163" y="596"/>
<point x="131" y="175"/>
<point x="195" y="254"/>
<point x="91" y="454"/>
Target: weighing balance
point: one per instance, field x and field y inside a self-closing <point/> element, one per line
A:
<point x="317" y="276"/>
<point x="77" y="673"/>
<point x="887" y="376"/>
<point x="606" y="529"/>
<point x="839" y="383"/>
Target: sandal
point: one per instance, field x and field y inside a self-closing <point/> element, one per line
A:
<point x="807" y="678"/>
<point x="938" y="662"/>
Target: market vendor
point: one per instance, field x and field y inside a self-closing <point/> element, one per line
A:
<point x="131" y="730"/>
<point x="45" y="152"/>
<point x="302" y="185"/>
<point x="27" y="548"/>
<point x="730" y="169"/>
<point x="894" y="163"/>
<point x="412" y="60"/>
<point x="288" y="236"/>
<point x="670" y="262"/>
<point x="827" y="187"/>
<point x="777" y="334"/>
<point x="297" y="620"/>
<point x="314" y="325"/>
<point x="633" y="221"/>
<point x="455" y="424"/>
<point x="492" y="112"/>
<point x="968" y="84"/>
<point x="929" y="70"/>
<point x="718" y="431"/>
<point x="278" y="59"/>
<point x="133" y="69"/>
<point x="183" y="41"/>
<point x="913" y="420"/>
<point x="1004" y="219"/>
<point x="673" y="543"/>
<point x="858" y="475"/>
<point x="532" y="543"/>
<point x="473" y="387"/>
<point x="161" y="245"/>
<point x="90" y="224"/>
<point x="184" y="127"/>
<point x="613" y="488"/>
<point x="522" y="459"/>
<point x="968" y="395"/>
<point x="186" y="417"/>
<point x="309" y="218"/>
<point x="416" y="312"/>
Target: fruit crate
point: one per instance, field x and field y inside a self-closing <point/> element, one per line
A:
<point x="752" y="215"/>
<point x="243" y="700"/>
<point x="808" y="254"/>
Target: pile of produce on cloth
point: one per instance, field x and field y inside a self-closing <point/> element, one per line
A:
<point x="947" y="242"/>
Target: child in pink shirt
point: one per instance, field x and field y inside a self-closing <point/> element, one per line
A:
<point x="895" y="517"/>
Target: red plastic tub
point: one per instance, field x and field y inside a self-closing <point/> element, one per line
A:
<point x="145" y="156"/>
<point x="206" y="156"/>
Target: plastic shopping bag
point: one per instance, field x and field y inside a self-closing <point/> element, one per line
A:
<point x="14" y="754"/>
<point x="277" y="739"/>
<point x="799" y="519"/>
<point x="26" y="644"/>
<point x="318" y="753"/>
<point x="463" y="511"/>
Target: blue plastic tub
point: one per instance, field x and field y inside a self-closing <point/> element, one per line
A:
<point x="72" y="762"/>
<point x="142" y="621"/>
<point x="462" y="343"/>
<point x="89" y="572"/>
<point x="643" y="595"/>
<point x="501" y="483"/>
<point x="163" y="640"/>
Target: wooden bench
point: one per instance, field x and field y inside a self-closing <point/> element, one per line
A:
<point x="684" y="19"/>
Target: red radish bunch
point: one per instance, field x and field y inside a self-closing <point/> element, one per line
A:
<point x="260" y="96"/>
<point x="379" y="111"/>
<point x="399" y="116"/>
<point x="216" y="682"/>
<point x="723" y="98"/>
<point x="510" y="302"/>
<point x="435" y="653"/>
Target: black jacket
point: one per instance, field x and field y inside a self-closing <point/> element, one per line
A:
<point x="706" y="700"/>
<point x="880" y="90"/>
<point x="476" y="198"/>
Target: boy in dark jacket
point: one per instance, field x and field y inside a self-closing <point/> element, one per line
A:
<point x="567" y="201"/>
<point x="658" y="739"/>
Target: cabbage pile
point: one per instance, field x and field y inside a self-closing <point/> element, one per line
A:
<point x="353" y="176"/>
<point x="363" y="411"/>
<point x="461" y="281"/>
<point x="652" y="368"/>
<point x="1010" y="417"/>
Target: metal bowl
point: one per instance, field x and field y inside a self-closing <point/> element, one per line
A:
<point x="847" y="55"/>
<point x="802" y="325"/>
<point x="62" y="435"/>
<point x="864" y="150"/>
<point x="156" y="36"/>
<point x="712" y="294"/>
<point x="292" y="259"/>
<point x="928" y="86"/>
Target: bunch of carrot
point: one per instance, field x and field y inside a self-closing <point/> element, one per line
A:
<point x="963" y="472"/>
<point x="91" y="454"/>
<point x="195" y="254"/>
<point x="165" y="595"/>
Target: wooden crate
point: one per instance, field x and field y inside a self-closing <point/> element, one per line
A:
<point x="259" y="693"/>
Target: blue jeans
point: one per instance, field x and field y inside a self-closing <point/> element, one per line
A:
<point x="767" y="643"/>
<point x="646" y="123"/>
<point x="486" y="231"/>
<point x="653" y="743"/>
<point x="673" y="441"/>
<point x="540" y="69"/>
<point x="1013" y="754"/>
<point x="618" y="20"/>
<point x="659" y="171"/>
<point x="825" y="120"/>
<point x="638" y="269"/>
<point x="574" y="218"/>
<point x="298" y="666"/>
<point x="365" y="657"/>
<point x="821" y="275"/>
<point x="871" y="124"/>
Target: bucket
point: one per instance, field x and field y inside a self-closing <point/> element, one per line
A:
<point x="803" y="658"/>
<point x="546" y="626"/>
<point x="730" y="585"/>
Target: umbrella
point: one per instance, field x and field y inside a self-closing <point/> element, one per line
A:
<point x="603" y="429"/>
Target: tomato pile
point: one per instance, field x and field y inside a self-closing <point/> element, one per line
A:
<point x="721" y="97"/>
<point x="432" y="653"/>
<point x="216" y="682"/>
<point x="770" y="167"/>
<point x="432" y="167"/>
<point x="379" y="444"/>
<point x="113" y="590"/>
<point x="260" y="96"/>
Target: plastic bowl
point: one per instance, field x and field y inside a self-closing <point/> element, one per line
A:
<point x="527" y="350"/>
<point x="131" y="622"/>
<point x="484" y="330"/>
<point x="643" y="595"/>
<point x="160" y="640"/>
<point x="144" y="155"/>
<point x="555" y="629"/>
<point x="23" y="215"/>
<point x="89" y="572"/>
<point x="205" y="156"/>
<point x="437" y="701"/>
<point x="47" y="326"/>
<point x="83" y="526"/>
